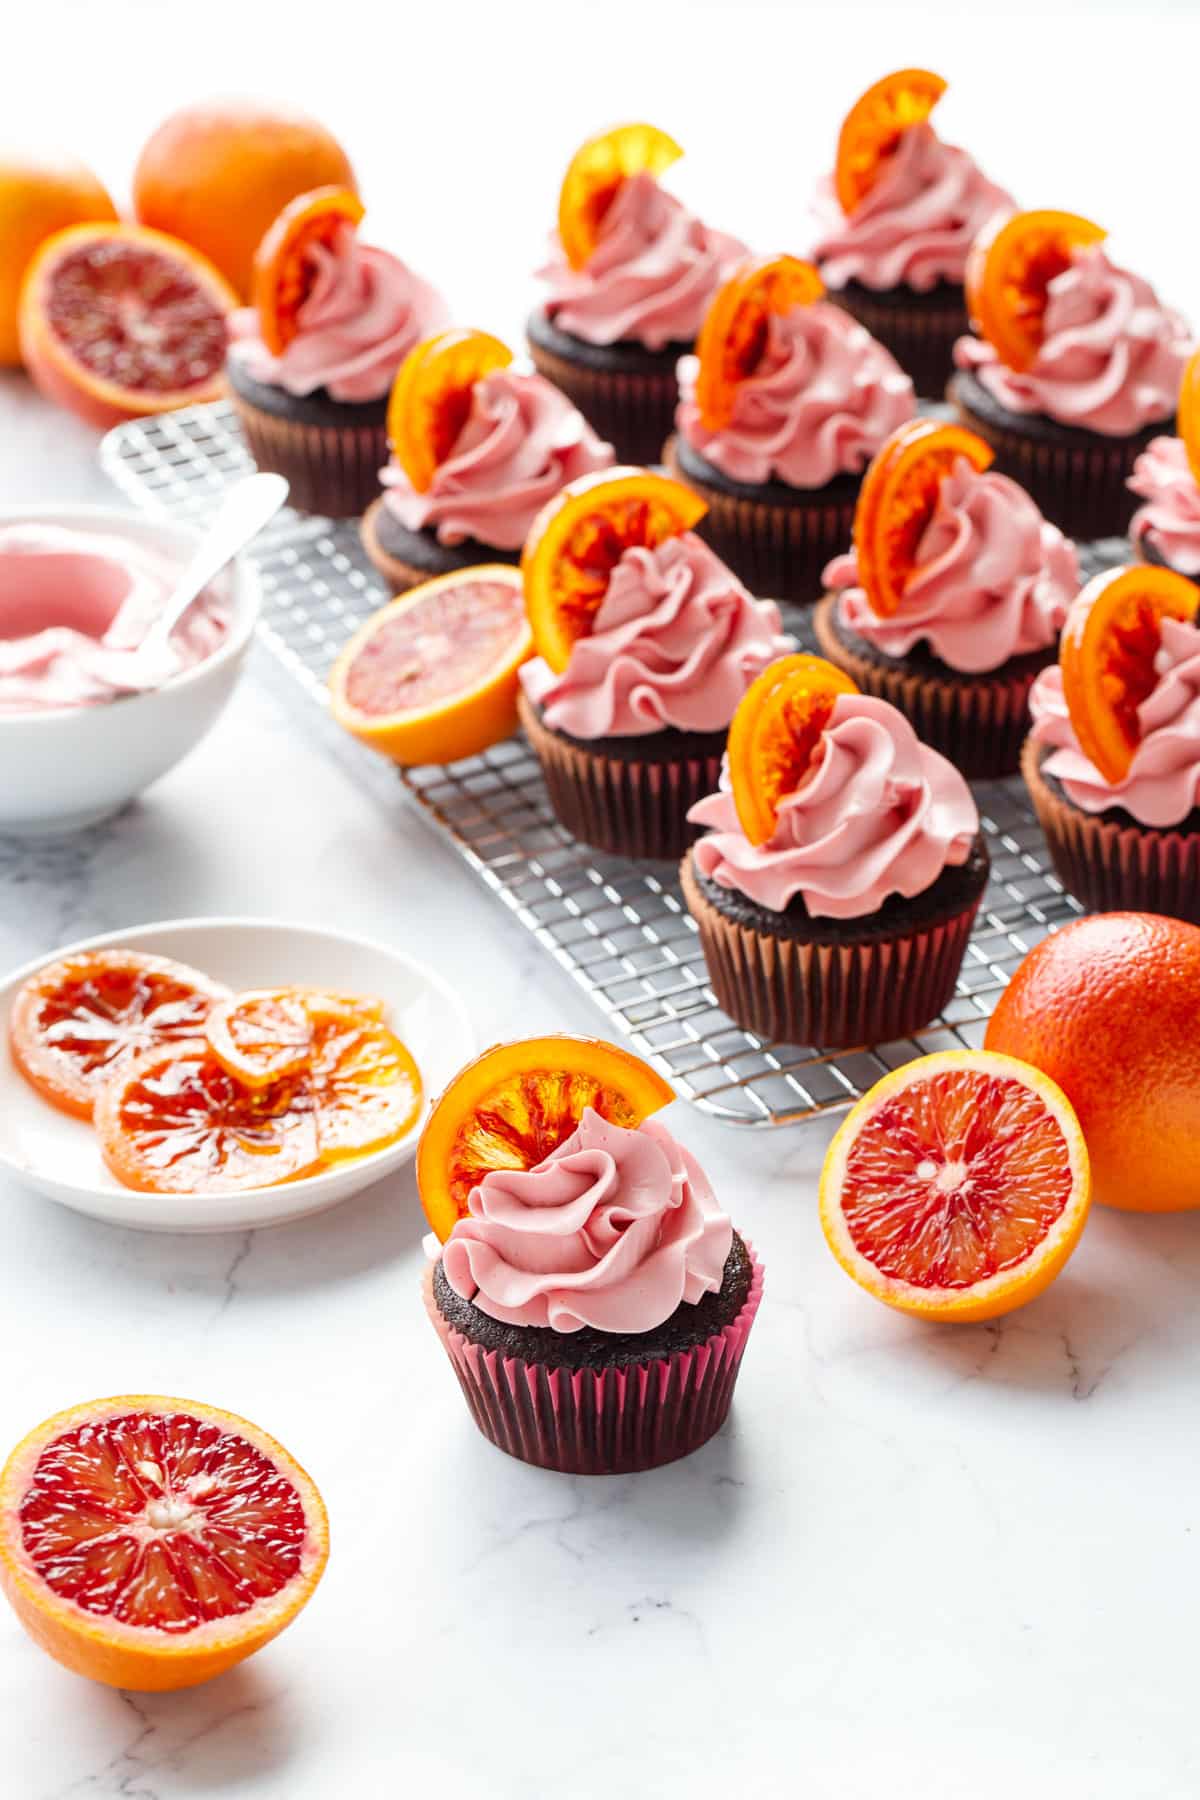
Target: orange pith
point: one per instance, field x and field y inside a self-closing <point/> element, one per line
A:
<point x="515" y="1104"/>
<point x="734" y="333"/>
<point x="431" y="398"/>
<point x="873" y="127"/>
<point x="897" y="500"/>
<point x="1188" y="424"/>
<point x="775" y="736"/>
<point x="594" y="176"/>
<point x="579" y="537"/>
<point x="283" y="271"/>
<point x="1009" y="270"/>
<point x="1109" y="644"/>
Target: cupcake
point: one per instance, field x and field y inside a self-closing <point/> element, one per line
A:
<point x="478" y="448"/>
<point x="1113" y="759"/>
<point x="591" y="1294"/>
<point x="841" y="870"/>
<point x="967" y="607"/>
<point x="1166" y="530"/>
<point x="896" y="221"/>
<point x="1075" y="369"/>
<point x="645" y="644"/>
<point x="630" y="275"/>
<point x="781" y="409"/>
<point x="311" y="363"/>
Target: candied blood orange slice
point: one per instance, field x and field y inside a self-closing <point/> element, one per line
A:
<point x="1109" y="644"/>
<point x="594" y="175"/>
<point x="873" y="127"/>
<point x="1189" y="413"/>
<point x="431" y="397"/>
<point x="958" y="1186"/>
<point x="515" y="1104"/>
<point x="579" y="537"/>
<point x="775" y="736"/>
<point x="1009" y="270"/>
<point x="283" y="262"/>
<point x="898" y="498"/>
<point x="151" y="1543"/>
<point x="258" y="1037"/>
<point x="366" y="1086"/>
<point x="78" y="1021"/>
<point x="734" y="333"/>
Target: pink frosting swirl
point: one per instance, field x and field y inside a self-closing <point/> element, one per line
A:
<point x="522" y="442"/>
<point x="1163" y="783"/>
<point x="1111" y="358"/>
<point x="615" y="1229"/>
<point x="361" y="317"/>
<point x="676" y="640"/>
<point x="650" y="277"/>
<point x="880" y="814"/>
<point x="916" y="225"/>
<point x="993" y="579"/>
<point x="821" y="401"/>
<point x="1170" y="521"/>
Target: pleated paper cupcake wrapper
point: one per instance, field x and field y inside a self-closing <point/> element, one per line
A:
<point x="633" y="412"/>
<point x="614" y="1421"/>
<point x="921" y="337"/>
<point x="1110" y="866"/>
<point x="332" y="470"/>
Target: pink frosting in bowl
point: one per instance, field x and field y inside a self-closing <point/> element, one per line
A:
<point x="1170" y="521"/>
<point x="676" y="641"/>
<point x="879" y="814"/>
<point x="821" y="401"/>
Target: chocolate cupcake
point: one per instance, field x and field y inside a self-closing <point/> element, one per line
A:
<point x="1166" y="529"/>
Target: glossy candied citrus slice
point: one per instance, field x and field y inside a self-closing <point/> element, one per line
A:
<point x="432" y="677"/>
<point x="958" y="1186"/>
<point x="775" y="734"/>
<point x="365" y="1083"/>
<point x="152" y="1543"/>
<point x="1009" y="270"/>
<point x="1188" y="424"/>
<point x="283" y="262"/>
<point x="594" y="175"/>
<point x="515" y="1104"/>
<point x="80" y="1019"/>
<point x="259" y="1036"/>
<point x="580" y="536"/>
<point x="898" y="498"/>
<point x="873" y="127"/>
<point x="431" y="397"/>
<point x="734" y="333"/>
<point x="1109" y="644"/>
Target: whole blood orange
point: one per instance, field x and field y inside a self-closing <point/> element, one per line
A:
<point x="38" y="196"/>
<point x="1108" y="1007"/>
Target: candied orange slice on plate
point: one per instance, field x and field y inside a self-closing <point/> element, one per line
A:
<point x="1009" y="270"/>
<point x="515" y="1104"/>
<point x="873" y="127"/>
<point x="431" y="397"/>
<point x="1109" y="644"/>
<point x="734" y="333"/>
<point x="580" y="536"/>
<point x="1188" y="424"/>
<point x="366" y="1086"/>
<point x="897" y="500"/>
<point x="594" y="176"/>
<point x="775" y="736"/>
<point x="283" y="272"/>
<point x="260" y="1036"/>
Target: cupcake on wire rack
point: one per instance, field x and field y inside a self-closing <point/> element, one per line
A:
<point x="1166" y="478"/>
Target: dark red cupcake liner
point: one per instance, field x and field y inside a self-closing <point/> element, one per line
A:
<point x="332" y="470"/>
<point x="920" y="332"/>
<point x="632" y="410"/>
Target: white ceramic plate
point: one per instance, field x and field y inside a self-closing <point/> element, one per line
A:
<point x="58" y="1155"/>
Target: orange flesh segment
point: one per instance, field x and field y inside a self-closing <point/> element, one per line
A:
<point x="594" y="177"/>
<point x="734" y="334"/>
<point x="431" y="398"/>
<point x="1009" y="271"/>
<point x="283" y="267"/>
<point x="898" y="499"/>
<point x="775" y="736"/>
<point x="1189" y="413"/>
<point x="873" y="127"/>
<point x="444" y="645"/>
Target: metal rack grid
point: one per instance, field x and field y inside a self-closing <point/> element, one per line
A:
<point x="619" y="928"/>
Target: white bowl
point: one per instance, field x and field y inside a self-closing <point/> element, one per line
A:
<point x="59" y="1157"/>
<point x="62" y="770"/>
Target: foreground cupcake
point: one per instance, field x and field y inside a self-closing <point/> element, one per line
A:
<point x="1166" y="476"/>
<point x="478" y="448"/>
<point x="897" y="219"/>
<point x="1113" y="760"/>
<point x="842" y="870"/>
<point x="781" y="408"/>
<point x="631" y="274"/>
<point x="952" y="599"/>
<point x="311" y="363"/>
<point x="645" y="643"/>
<point x="1075" y="369"/>
<point x="593" y="1298"/>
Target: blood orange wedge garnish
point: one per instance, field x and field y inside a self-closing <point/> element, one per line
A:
<point x="775" y="736"/>
<point x="579" y="537"/>
<point x="1009" y="270"/>
<point x="898" y="499"/>
<point x="258" y="1037"/>
<point x="284" y="268"/>
<point x="152" y="1543"/>
<point x="78" y="1021"/>
<point x="958" y="1187"/>
<point x="433" y="676"/>
<point x="366" y="1086"/>
<point x="1188" y="424"/>
<point x="594" y="176"/>
<point x="734" y="333"/>
<point x="431" y="397"/>
<point x="1109" y="644"/>
<point x="515" y="1104"/>
<point x="117" y="321"/>
<point x="873" y="127"/>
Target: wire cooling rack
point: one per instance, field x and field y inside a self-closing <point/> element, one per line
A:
<point x="620" y="929"/>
